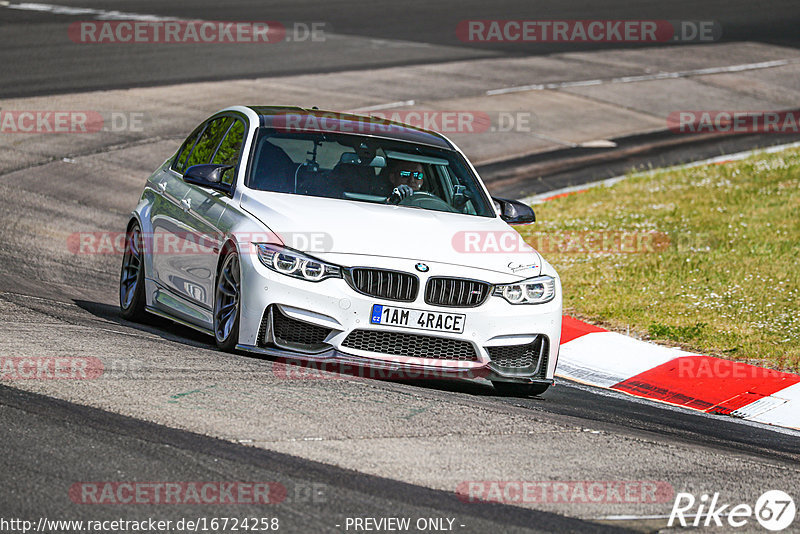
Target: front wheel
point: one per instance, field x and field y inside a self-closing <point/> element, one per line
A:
<point x="227" y="303"/>
<point x="517" y="389"/>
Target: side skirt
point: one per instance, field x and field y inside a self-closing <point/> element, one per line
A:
<point x="165" y="315"/>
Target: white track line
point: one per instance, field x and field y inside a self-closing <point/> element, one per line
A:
<point x="99" y="14"/>
<point x="390" y="105"/>
<point x="645" y="517"/>
<point x="539" y="198"/>
<point x="645" y="77"/>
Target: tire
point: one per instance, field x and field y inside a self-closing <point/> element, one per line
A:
<point x="516" y="389"/>
<point x="227" y="302"/>
<point x="132" y="300"/>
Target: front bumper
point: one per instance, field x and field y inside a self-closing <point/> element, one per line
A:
<point x="336" y="307"/>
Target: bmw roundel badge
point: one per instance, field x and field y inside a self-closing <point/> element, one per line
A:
<point x="421" y="267"/>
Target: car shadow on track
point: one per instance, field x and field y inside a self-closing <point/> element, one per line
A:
<point x="163" y="328"/>
<point x="175" y="332"/>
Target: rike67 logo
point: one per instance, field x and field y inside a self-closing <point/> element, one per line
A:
<point x="774" y="510"/>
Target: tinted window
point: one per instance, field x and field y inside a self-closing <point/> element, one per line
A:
<point x="207" y="144"/>
<point x="230" y="149"/>
<point x="180" y="162"/>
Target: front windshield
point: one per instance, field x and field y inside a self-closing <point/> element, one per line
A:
<point x="366" y="169"/>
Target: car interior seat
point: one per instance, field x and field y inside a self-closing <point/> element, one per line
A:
<point x="355" y="178"/>
<point x="274" y="170"/>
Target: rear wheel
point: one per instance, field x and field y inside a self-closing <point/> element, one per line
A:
<point x="131" y="281"/>
<point x="226" y="303"/>
<point x="517" y="389"/>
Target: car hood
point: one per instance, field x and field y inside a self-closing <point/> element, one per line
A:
<point x="321" y="226"/>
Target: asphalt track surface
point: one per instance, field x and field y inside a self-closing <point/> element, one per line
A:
<point x="55" y="302"/>
<point x="39" y="451"/>
<point x="38" y="57"/>
<point x="570" y="167"/>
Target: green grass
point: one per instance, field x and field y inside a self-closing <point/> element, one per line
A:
<point x="705" y="258"/>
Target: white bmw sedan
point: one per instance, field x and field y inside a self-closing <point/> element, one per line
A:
<point x="330" y="237"/>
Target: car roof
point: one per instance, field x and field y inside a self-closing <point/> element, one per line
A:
<point x="297" y="119"/>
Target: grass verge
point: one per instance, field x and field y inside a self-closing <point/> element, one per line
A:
<point x="705" y="258"/>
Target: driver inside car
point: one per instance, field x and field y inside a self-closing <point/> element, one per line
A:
<point x="406" y="178"/>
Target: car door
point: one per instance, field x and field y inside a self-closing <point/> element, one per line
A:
<point x="166" y="214"/>
<point x="205" y="208"/>
<point x="176" y="236"/>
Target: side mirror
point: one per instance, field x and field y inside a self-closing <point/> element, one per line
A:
<point x="514" y="212"/>
<point x="208" y="175"/>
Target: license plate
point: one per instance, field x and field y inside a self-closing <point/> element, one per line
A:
<point x="418" y="319"/>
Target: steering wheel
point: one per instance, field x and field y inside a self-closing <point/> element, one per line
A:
<point x="423" y="199"/>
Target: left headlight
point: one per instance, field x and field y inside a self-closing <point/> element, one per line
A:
<point x="532" y="291"/>
<point x="296" y="264"/>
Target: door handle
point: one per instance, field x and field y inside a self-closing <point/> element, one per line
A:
<point x="162" y="186"/>
<point x="186" y="204"/>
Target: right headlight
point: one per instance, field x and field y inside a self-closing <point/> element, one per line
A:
<point x="532" y="291"/>
<point x="296" y="264"/>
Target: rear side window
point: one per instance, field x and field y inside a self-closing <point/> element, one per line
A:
<point x="207" y="144"/>
<point x="230" y="149"/>
<point x="186" y="149"/>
